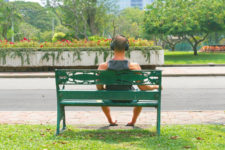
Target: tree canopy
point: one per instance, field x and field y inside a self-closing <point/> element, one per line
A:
<point x="8" y="15"/>
<point x="130" y="22"/>
<point x="36" y="15"/>
<point x="192" y="19"/>
<point x="84" y="18"/>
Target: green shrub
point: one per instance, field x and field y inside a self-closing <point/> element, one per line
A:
<point x="46" y="36"/>
<point x="222" y="41"/>
<point x="95" y="38"/>
<point x="58" y="36"/>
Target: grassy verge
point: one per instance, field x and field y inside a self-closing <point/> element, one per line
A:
<point x="202" y="137"/>
<point x="178" y="57"/>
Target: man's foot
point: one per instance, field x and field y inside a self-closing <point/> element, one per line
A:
<point x="130" y="124"/>
<point x="113" y="123"/>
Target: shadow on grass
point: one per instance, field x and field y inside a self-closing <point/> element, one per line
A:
<point x="110" y="127"/>
<point x="136" y="138"/>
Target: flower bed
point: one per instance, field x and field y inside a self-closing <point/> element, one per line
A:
<point x="28" y="53"/>
<point x="67" y="43"/>
<point x="213" y="48"/>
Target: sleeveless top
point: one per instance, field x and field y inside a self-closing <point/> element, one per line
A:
<point x="119" y="65"/>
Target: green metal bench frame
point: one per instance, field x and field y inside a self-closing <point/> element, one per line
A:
<point x="72" y="77"/>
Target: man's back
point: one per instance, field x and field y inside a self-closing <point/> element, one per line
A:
<point x="119" y="45"/>
<point x="132" y="66"/>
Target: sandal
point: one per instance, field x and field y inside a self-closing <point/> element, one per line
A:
<point x="130" y="125"/>
<point x="113" y="124"/>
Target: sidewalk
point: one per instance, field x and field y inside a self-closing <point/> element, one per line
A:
<point x="123" y="117"/>
<point x="167" y="71"/>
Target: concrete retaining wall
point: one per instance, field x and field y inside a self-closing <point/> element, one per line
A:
<point x="68" y="58"/>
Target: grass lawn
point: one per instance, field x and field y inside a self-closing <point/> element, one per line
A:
<point x="201" y="137"/>
<point x="179" y="57"/>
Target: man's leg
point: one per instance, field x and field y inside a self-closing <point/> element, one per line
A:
<point x="106" y="111"/>
<point x="136" y="112"/>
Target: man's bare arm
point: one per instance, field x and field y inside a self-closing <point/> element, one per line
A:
<point x="135" y="66"/>
<point x="102" y="66"/>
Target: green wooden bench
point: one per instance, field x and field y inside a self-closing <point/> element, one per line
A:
<point x="66" y="96"/>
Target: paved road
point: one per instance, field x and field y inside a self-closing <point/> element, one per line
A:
<point x="180" y="93"/>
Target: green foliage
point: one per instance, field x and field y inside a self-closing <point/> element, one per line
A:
<point x="69" y="33"/>
<point x="185" y="17"/>
<point x="129" y="22"/>
<point x="22" y="54"/>
<point x="36" y="15"/>
<point x="61" y="28"/>
<point x="222" y="41"/>
<point x="77" y="19"/>
<point x="73" y="43"/>
<point x="191" y="19"/>
<point x="214" y="38"/>
<point x="27" y="18"/>
<point x="28" y="31"/>
<point x="46" y="36"/>
<point x="174" y="137"/>
<point x="8" y="16"/>
<point x="58" y="36"/>
<point x="183" y="46"/>
<point x="95" y="38"/>
<point x="83" y="17"/>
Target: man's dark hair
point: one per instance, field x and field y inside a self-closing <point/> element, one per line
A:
<point x="120" y="42"/>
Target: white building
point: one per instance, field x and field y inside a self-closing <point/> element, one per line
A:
<point x="133" y="3"/>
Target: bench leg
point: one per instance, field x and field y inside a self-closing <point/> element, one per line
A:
<point x="60" y="116"/>
<point x="64" y="117"/>
<point x="58" y="120"/>
<point x="158" y="120"/>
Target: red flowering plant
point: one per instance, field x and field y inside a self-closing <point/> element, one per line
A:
<point x="22" y="43"/>
<point x="213" y="48"/>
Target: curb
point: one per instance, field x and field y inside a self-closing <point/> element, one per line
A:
<point x="193" y="65"/>
<point x="192" y="75"/>
<point x="27" y="76"/>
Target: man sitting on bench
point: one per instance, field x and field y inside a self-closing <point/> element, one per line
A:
<point x="120" y="44"/>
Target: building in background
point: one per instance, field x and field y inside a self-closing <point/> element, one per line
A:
<point x="133" y="3"/>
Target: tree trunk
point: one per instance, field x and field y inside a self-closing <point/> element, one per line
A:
<point x="173" y="47"/>
<point x="196" y="42"/>
<point x="217" y="40"/>
<point x="195" y="50"/>
<point x="91" y="22"/>
<point x="91" y="18"/>
<point x="4" y="34"/>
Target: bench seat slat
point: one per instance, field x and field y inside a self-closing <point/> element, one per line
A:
<point x="72" y="102"/>
<point x="116" y="95"/>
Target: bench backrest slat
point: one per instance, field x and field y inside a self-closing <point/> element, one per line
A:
<point x="107" y="77"/>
